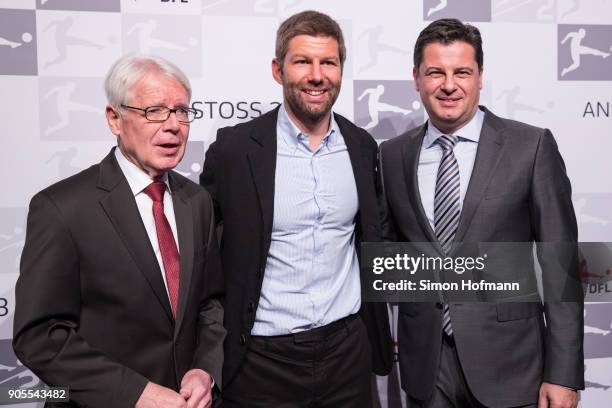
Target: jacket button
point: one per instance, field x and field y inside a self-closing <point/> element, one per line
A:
<point x="251" y="307"/>
<point x="242" y="339"/>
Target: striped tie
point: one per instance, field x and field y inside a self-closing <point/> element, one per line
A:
<point x="447" y="206"/>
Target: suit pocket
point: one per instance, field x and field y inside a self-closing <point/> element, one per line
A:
<point x="517" y="311"/>
<point x="493" y="195"/>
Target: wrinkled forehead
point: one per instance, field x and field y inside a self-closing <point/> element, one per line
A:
<point x="155" y="86"/>
<point x="306" y="44"/>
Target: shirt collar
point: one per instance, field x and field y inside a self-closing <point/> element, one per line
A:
<point x="137" y="179"/>
<point x="291" y="134"/>
<point x="470" y="131"/>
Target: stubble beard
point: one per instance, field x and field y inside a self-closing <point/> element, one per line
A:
<point x="305" y="112"/>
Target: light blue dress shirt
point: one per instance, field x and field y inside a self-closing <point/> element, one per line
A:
<point x="312" y="274"/>
<point x="431" y="155"/>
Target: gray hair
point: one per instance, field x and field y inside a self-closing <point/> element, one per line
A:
<point x="129" y="69"/>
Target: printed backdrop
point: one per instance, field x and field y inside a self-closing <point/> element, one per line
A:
<point x="547" y="62"/>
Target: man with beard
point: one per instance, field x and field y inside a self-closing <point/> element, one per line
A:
<point x="295" y="193"/>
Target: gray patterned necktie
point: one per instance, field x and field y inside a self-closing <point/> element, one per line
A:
<point x="447" y="206"/>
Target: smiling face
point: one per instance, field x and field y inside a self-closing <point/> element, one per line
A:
<point x="155" y="147"/>
<point x="449" y="83"/>
<point x="311" y="77"/>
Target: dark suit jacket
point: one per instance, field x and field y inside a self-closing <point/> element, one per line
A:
<point x="92" y="312"/>
<point x="239" y="172"/>
<point x="518" y="192"/>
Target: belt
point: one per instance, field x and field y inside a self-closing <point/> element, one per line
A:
<point x="316" y="334"/>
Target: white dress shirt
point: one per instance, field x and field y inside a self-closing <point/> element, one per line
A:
<point x="431" y="155"/>
<point x="138" y="180"/>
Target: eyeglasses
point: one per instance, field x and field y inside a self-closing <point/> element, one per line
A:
<point x="162" y="113"/>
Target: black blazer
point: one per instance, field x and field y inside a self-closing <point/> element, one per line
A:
<point x="92" y="312"/>
<point x="239" y="172"/>
<point x="518" y="192"/>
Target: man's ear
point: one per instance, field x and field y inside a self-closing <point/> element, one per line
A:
<point x="113" y="117"/>
<point x="277" y="71"/>
<point x="415" y="74"/>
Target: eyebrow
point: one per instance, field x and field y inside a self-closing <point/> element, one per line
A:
<point x="163" y="105"/>
<point x="466" y="68"/>
<point x="296" y="56"/>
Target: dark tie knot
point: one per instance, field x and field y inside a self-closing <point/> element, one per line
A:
<point x="156" y="191"/>
<point x="447" y="142"/>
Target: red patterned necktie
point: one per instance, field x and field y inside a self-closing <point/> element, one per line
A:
<point x="167" y="245"/>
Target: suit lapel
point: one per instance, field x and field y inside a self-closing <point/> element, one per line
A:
<point x="487" y="156"/>
<point x="120" y="207"/>
<point x="262" y="162"/>
<point x="411" y="152"/>
<point x="184" y="228"/>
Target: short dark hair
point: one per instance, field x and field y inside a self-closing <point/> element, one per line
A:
<point x="446" y="31"/>
<point x="311" y="23"/>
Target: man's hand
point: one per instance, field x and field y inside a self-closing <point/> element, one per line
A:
<point x="196" y="388"/>
<point x="556" y="396"/>
<point x="156" y="396"/>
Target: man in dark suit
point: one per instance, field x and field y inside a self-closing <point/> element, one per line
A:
<point x="119" y="293"/>
<point x="467" y="175"/>
<point x="295" y="192"/>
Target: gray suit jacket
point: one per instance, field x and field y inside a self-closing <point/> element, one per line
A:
<point x="518" y="192"/>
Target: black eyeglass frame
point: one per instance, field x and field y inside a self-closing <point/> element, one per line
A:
<point x="170" y="111"/>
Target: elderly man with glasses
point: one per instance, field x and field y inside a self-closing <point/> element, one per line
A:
<point x="119" y="293"/>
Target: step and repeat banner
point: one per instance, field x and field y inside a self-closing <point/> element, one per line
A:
<point x="547" y="63"/>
